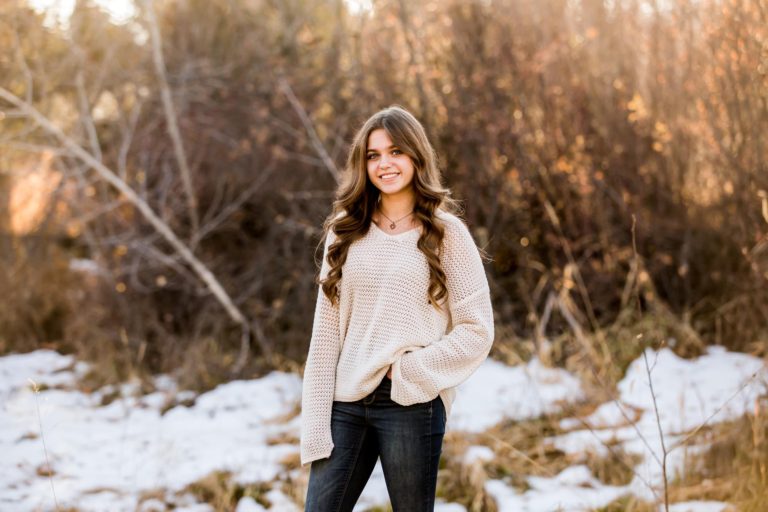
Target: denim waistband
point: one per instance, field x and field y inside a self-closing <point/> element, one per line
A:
<point x="380" y="393"/>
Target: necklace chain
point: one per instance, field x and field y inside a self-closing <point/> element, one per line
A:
<point x="393" y="224"/>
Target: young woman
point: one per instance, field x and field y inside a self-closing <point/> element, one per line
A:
<point x="403" y="316"/>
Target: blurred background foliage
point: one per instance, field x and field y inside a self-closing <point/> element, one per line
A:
<point x="610" y="155"/>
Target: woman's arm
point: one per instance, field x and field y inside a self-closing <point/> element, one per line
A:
<point x="419" y="375"/>
<point x="320" y="374"/>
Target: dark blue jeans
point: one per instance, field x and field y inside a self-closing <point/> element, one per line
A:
<point x="408" y="439"/>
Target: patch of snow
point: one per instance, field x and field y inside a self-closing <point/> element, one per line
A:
<point x="496" y="392"/>
<point x="44" y="368"/>
<point x="697" y="506"/>
<point x="688" y="392"/>
<point x="197" y="507"/>
<point x="607" y="415"/>
<point x="717" y="386"/>
<point x="248" y="504"/>
<point x="103" y="457"/>
<point x="375" y="492"/>
<point x="477" y="453"/>
<point x="573" y="489"/>
<point x="441" y="506"/>
<point x="280" y="501"/>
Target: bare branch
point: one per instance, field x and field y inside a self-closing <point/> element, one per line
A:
<point x="611" y="447"/>
<point x="85" y="116"/>
<point x="125" y="144"/>
<point x="170" y="116"/>
<point x="412" y="54"/>
<point x="695" y="431"/>
<point x="33" y="148"/>
<point x="664" y="451"/>
<point x="314" y="139"/>
<point x="543" y="346"/>
<point x="199" y="267"/>
<point x="233" y="206"/>
<point x="24" y="67"/>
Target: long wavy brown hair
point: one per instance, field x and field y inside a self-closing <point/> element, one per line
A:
<point x="356" y="197"/>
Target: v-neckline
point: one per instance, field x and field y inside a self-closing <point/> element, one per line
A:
<point x="395" y="235"/>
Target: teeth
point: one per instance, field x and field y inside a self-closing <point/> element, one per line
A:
<point x="389" y="176"/>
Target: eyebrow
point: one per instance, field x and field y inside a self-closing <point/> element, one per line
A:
<point x="376" y="150"/>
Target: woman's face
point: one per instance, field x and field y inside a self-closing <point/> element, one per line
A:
<point x="389" y="169"/>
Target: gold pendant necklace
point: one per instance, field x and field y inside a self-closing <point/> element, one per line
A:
<point x="393" y="225"/>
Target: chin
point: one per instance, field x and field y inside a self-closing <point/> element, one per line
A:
<point x="392" y="192"/>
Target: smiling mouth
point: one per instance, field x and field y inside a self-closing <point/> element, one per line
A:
<point x="389" y="176"/>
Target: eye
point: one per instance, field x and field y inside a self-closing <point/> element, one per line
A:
<point x="370" y="156"/>
<point x="397" y="151"/>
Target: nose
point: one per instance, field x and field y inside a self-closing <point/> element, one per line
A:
<point x="384" y="162"/>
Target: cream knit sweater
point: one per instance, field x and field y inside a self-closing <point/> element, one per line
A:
<point x="383" y="313"/>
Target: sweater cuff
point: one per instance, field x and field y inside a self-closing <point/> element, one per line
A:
<point x="316" y="453"/>
<point x="405" y="390"/>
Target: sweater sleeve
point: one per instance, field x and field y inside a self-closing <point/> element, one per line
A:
<point x="320" y="374"/>
<point x="419" y="375"/>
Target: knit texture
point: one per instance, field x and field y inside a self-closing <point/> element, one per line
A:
<point x="384" y="318"/>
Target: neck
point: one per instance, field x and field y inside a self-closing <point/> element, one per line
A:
<point x="396" y="207"/>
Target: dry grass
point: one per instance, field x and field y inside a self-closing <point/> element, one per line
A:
<point x="618" y="344"/>
<point x="628" y="504"/>
<point x="461" y="483"/>
<point x="157" y="495"/>
<point x="734" y="468"/>
<point x="295" y="488"/>
<point x="614" y="468"/>
<point x="222" y="493"/>
<point x="521" y="452"/>
<point x="36" y="285"/>
<point x="629" y="336"/>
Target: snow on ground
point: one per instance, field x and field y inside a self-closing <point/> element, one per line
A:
<point x="105" y="456"/>
<point x="697" y="506"/>
<point x="574" y="488"/>
<point x="717" y="386"/>
<point x="497" y="391"/>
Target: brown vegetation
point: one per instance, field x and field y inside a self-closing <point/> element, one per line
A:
<point x="556" y="123"/>
<point x="733" y="466"/>
<point x="607" y="152"/>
